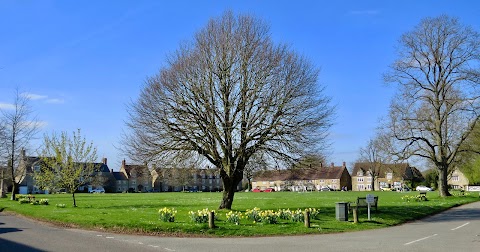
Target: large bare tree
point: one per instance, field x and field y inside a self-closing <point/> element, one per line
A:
<point x="19" y="128"/>
<point x="437" y="106"/>
<point x="226" y="95"/>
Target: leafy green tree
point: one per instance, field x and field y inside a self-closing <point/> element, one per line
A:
<point x="431" y="178"/>
<point x="469" y="162"/>
<point x="67" y="162"/>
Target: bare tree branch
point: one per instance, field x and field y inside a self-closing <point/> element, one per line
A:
<point x="437" y="105"/>
<point x="19" y="127"/>
<point x="227" y="95"/>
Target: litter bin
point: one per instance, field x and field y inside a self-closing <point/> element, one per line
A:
<point x="341" y="211"/>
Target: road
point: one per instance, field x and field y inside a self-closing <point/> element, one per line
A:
<point x="457" y="229"/>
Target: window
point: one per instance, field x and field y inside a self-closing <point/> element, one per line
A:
<point x="455" y="178"/>
<point x="369" y="179"/>
<point x="389" y="175"/>
<point x="369" y="186"/>
<point x="360" y="187"/>
<point x="36" y="168"/>
<point x="321" y="180"/>
<point x="360" y="180"/>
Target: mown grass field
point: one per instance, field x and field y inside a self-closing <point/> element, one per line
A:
<point x="138" y="213"/>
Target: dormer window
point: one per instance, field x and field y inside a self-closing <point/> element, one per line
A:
<point x="360" y="173"/>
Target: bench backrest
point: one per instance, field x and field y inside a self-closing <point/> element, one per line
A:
<point x="362" y="201"/>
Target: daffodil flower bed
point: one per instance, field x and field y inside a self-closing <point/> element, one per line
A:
<point x="234" y="217"/>
<point x="167" y="214"/>
<point x="414" y="198"/>
<point x="298" y="216"/>
<point x="200" y="216"/>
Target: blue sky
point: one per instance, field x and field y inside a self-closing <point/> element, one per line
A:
<point x="84" y="61"/>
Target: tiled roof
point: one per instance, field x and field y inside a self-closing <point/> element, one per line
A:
<point x="300" y="174"/>
<point x="101" y="167"/>
<point x="119" y="176"/>
<point x="403" y="170"/>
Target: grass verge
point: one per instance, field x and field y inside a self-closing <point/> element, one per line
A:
<point x="138" y="213"/>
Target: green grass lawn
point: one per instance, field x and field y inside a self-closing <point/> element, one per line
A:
<point x="138" y="212"/>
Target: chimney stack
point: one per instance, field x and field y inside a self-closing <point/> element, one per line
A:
<point x="111" y="170"/>
<point x="123" y="163"/>
<point x="104" y="161"/>
<point x="332" y="164"/>
<point x="344" y="164"/>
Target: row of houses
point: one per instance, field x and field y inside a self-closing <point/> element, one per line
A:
<point x="388" y="177"/>
<point x="130" y="178"/>
<point x="141" y="178"/>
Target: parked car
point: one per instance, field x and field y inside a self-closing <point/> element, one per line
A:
<point x="423" y="188"/>
<point x="269" y="190"/>
<point x="100" y="190"/>
<point x="386" y="188"/>
<point x="256" y="190"/>
<point x="325" y="188"/>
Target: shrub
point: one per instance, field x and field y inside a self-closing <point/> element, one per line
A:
<point x="234" y="217"/>
<point x="23" y="200"/>
<point x="167" y="214"/>
<point x="43" y="202"/>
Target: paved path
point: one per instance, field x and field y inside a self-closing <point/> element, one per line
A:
<point x="457" y="229"/>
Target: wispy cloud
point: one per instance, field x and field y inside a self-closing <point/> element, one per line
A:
<point x="55" y="101"/>
<point x="364" y="12"/>
<point x="7" y="106"/>
<point x="35" y="124"/>
<point x="44" y="98"/>
<point x="31" y="96"/>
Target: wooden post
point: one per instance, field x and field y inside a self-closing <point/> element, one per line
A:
<point x="355" y="215"/>
<point x="307" y="219"/>
<point x="211" y="219"/>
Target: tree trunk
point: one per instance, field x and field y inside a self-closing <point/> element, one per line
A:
<point x="74" y="202"/>
<point x="228" y="193"/>
<point x="442" y="181"/>
<point x="229" y="187"/>
<point x="373" y="183"/>
<point x="14" y="190"/>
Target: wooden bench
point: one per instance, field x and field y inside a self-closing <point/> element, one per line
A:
<point x="423" y="195"/>
<point x="362" y="203"/>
